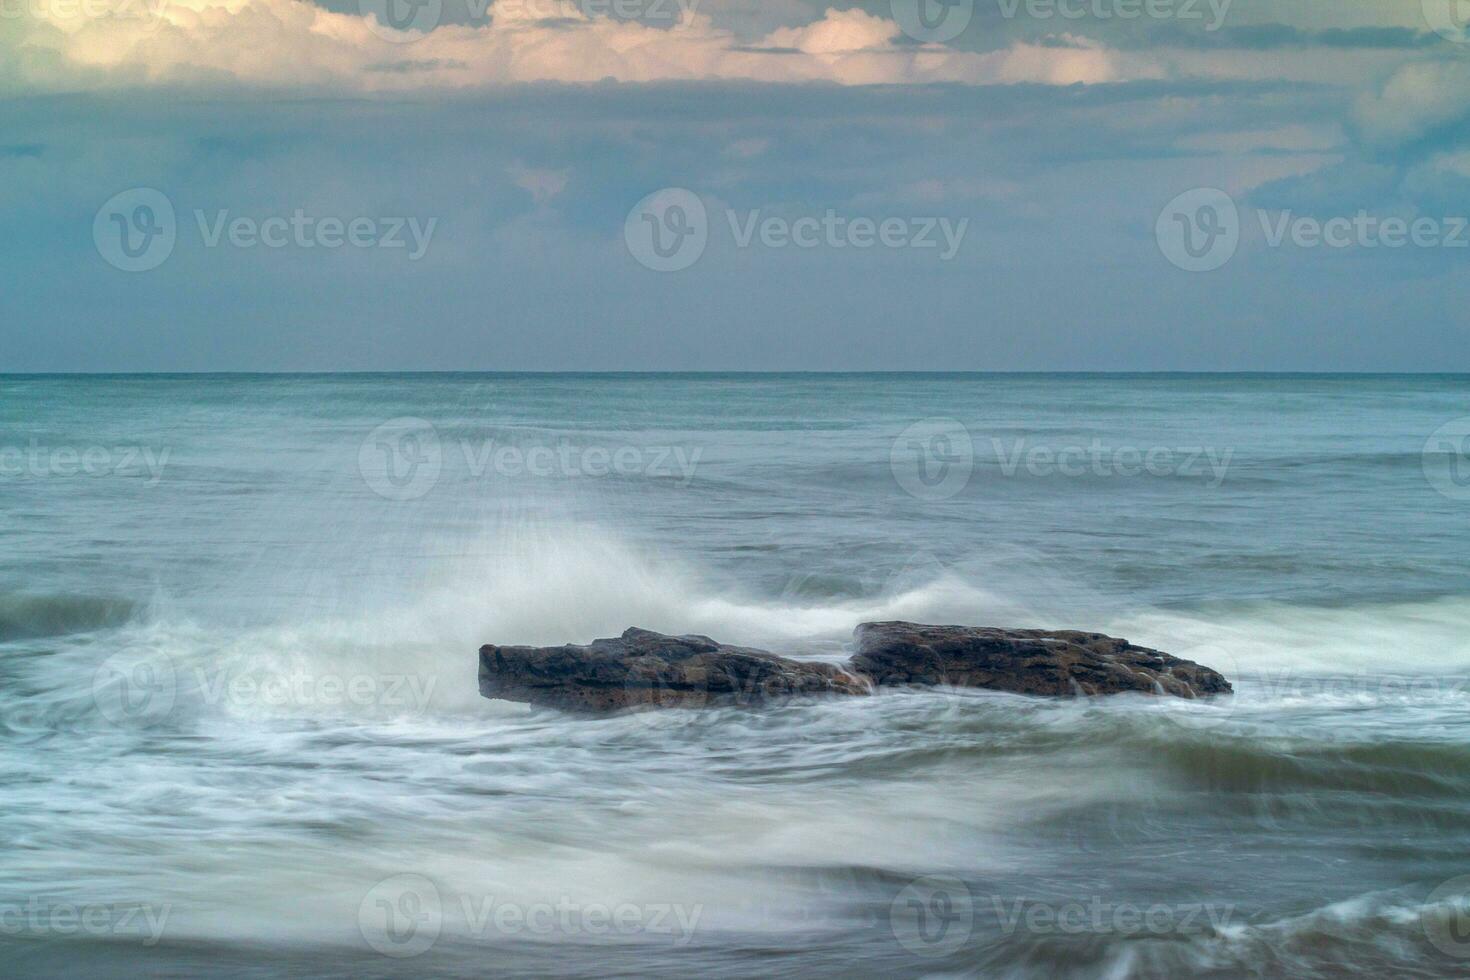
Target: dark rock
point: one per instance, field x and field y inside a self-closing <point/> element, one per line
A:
<point x="643" y="668"/>
<point x="1054" y="662"/>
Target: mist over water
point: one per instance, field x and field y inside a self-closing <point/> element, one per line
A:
<point x="240" y="728"/>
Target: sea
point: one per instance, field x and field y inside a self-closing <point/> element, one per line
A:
<point x="241" y="735"/>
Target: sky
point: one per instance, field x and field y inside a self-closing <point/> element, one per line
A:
<point x="378" y="185"/>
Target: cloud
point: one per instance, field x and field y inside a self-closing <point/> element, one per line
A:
<point x="288" y="44"/>
<point x="1417" y="100"/>
<point x="542" y="185"/>
<point x="839" y="32"/>
<point x="1273" y="36"/>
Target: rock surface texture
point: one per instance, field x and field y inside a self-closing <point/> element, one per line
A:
<point x="642" y="668"/>
<point x="1051" y="662"/>
<point x="646" y="669"/>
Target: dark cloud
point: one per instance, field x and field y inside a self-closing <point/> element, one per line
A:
<point x="1271" y="37"/>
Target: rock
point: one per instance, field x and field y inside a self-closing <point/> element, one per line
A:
<point x="643" y="668"/>
<point x="1054" y="662"/>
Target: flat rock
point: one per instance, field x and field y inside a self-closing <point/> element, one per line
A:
<point x="646" y="669"/>
<point x="1048" y="662"/>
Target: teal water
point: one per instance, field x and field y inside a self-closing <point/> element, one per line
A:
<point x="239" y="725"/>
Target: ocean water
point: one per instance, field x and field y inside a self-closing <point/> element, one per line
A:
<point x="240" y="732"/>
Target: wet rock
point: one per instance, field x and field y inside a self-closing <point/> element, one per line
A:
<point x="1047" y="662"/>
<point x="646" y="669"/>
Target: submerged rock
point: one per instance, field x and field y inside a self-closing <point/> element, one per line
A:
<point x="642" y="668"/>
<point x="1049" y="662"/>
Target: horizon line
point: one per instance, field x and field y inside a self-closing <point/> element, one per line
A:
<point x="736" y="371"/>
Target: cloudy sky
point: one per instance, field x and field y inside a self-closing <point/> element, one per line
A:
<point x="734" y="184"/>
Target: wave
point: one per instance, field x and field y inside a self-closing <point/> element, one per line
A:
<point x="1386" y="933"/>
<point x="1279" y="643"/>
<point x="25" y="616"/>
<point x="544" y="585"/>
